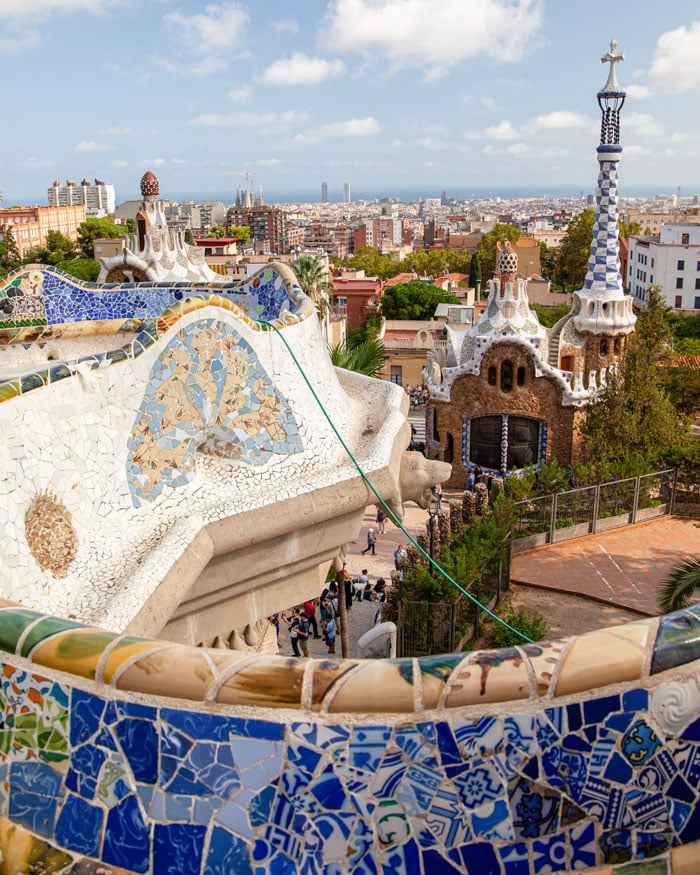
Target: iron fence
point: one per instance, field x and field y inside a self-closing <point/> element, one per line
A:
<point x="552" y="518"/>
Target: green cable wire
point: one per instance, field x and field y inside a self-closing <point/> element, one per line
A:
<point x="386" y="507"/>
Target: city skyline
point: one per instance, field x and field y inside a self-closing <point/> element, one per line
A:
<point x="377" y="93"/>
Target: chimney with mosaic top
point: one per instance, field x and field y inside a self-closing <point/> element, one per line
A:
<point x="601" y="308"/>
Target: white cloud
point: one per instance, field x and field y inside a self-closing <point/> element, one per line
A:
<point x="642" y="123"/>
<point x="674" y="68"/>
<point x="355" y="127"/>
<point x="269" y="162"/>
<point x="433" y="143"/>
<point x="288" y="24"/>
<point x="242" y="94"/>
<point x="119" y="163"/>
<point x="434" y="37"/>
<point x="41" y="9"/>
<point x="302" y="69"/>
<point x="560" y="120"/>
<point x="208" y="38"/>
<point x="281" y="120"/>
<point x="502" y="131"/>
<point x="519" y="149"/>
<point x="152" y="162"/>
<point x="90" y="146"/>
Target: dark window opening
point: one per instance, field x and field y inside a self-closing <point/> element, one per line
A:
<point x="603" y="347"/>
<point x="506" y="376"/>
<point x="521" y="376"/>
<point x="492" y="376"/>
<point x="523" y="442"/>
<point x="449" y="447"/>
<point x="436" y="433"/>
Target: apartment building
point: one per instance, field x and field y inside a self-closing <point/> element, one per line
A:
<point x="98" y="198"/>
<point x="268" y="227"/>
<point x="671" y="260"/>
<point x="30" y="225"/>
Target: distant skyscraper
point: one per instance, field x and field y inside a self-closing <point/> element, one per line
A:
<point x="346" y="192"/>
<point x="324" y="192"/>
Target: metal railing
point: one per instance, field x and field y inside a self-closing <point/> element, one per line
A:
<point x="427" y="628"/>
<point x="564" y="515"/>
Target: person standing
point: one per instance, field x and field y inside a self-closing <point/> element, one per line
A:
<point x="381" y="521"/>
<point x="370" y="542"/>
<point x="293" y="625"/>
<point x="303" y="633"/>
<point x="330" y="634"/>
<point x="310" y="611"/>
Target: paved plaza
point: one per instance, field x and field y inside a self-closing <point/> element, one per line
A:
<point x="623" y="568"/>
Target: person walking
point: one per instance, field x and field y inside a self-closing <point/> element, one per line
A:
<point x="371" y="540"/>
<point x="329" y="629"/>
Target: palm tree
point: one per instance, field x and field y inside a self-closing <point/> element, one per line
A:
<point x="366" y="357"/>
<point x="680" y="585"/>
<point x="313" y="279"/>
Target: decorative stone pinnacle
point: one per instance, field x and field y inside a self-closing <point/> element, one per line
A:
<point x="612" y="58"/>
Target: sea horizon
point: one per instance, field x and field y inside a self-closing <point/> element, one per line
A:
<point x="411" y="194"/>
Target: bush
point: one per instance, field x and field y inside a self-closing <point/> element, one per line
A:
<point x="533" y="625"/>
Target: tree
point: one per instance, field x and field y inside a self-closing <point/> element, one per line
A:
<point x="680" y="586"/>
<point x="82" y="268"/>
<point x="313" y="279"/>
<point x="548" y="260"/>
<point x="628" y="230"/>
<point x="10" y="256"/>
<point x="414" y="300"/>
<point x="475" y="273"/>
<point x="91" y="229"/>
<point x="634" y="417"/>
<point x="240" y="232"/>
<point x="487" y="248"/>
<point x="189" y="237"/>
<point x="365" y="357"/>
<point x="572" y="262"/>
<point x="374" y="263"/>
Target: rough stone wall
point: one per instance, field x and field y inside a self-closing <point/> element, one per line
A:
<point x="539" y="397"/>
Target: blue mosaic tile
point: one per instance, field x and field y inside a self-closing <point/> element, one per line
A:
<point x="480" y="858"/>
<point x="79" y="826"/>
<point x="86" y="714"/>
<point x="677" y="640"/>
<point x="616" y="846"/>
<point x="227" y="854"/>
<point x="126" y="842"/>
<point x="177" y="848"/>
<point x="550" y="855"/>
<point x="139" y="743"/>
<point x="34" y="792"/>
<point x="584" y="847"/>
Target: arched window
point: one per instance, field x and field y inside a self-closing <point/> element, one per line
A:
<point x="436" y="433"/>
<point x="492" y="376"/>
<point x="521" y="376"/>
<point x="603" y="347"/>
<point x="506" y="375"/>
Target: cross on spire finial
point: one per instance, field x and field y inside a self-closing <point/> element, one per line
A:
<point x="612" y="58"/>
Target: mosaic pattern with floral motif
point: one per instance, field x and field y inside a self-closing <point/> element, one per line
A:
<point x="149" y="786"/>
<point x="207" y="392"/>
<point x="42" y="295"/>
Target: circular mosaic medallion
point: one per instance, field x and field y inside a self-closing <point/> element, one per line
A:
<point x="50" y="535"/>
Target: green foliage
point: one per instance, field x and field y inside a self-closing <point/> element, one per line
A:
<point x="680" y="586"/>
<point x="548" y="260"/>
<point x="91" y="229"/>
<point x="572" y="260"/>
<point x="10" y="257"/>
<point x="58" y="248"/>
<point x="414" y="300"/>
<point x="313" y="279"/>
<point x="189" y="237"/>
<point x="365" y="357"/>
<point x="531" y="624"/>
<point x="475" y="271"/>
<point x="240" y="232"/>
<point x="628" y="230"/>
<point x="487" y="248"/>
<point x="86" y="269"/>
<point x="635" y="420"/>
<point x="549" y="316"/>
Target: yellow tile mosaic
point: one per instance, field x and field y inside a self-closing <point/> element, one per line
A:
<point x="598" y="659"/>
<point x="488" y="676"/>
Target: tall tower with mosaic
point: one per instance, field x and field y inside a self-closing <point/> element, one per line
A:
<point x="601" y="310"/>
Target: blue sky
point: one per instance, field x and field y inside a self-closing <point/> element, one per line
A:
<point x="383" y="93"/>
